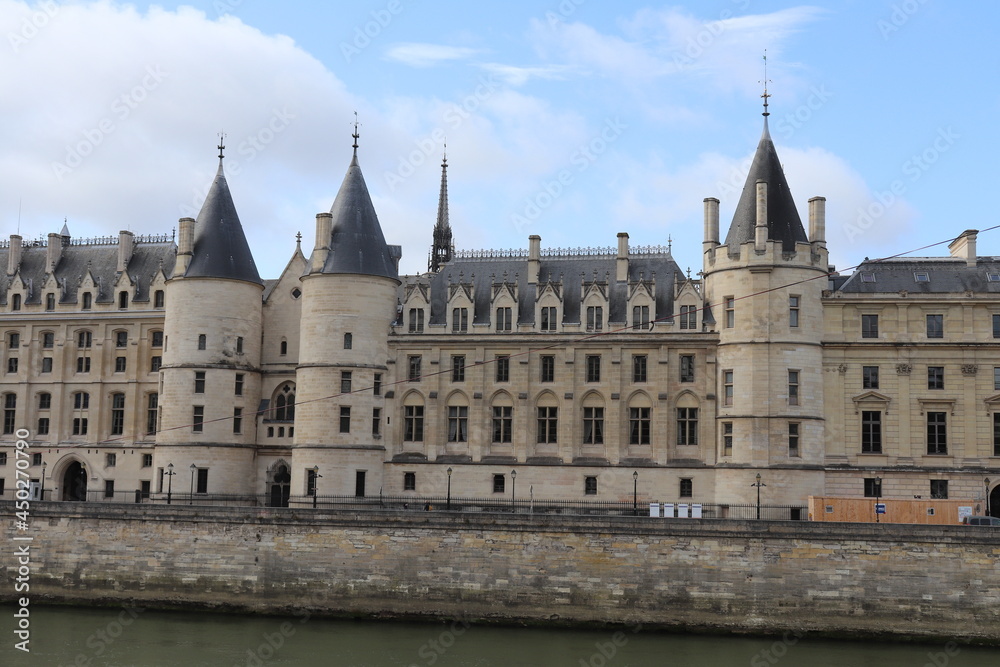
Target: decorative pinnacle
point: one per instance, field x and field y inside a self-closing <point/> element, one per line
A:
<point x="765" y="82"/>
<point x="298" y="238"/>
<point x="222" y="144"/>
<point x="356" y="135"/>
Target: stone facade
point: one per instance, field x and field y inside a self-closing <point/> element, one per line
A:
<point x="574" y="367"/>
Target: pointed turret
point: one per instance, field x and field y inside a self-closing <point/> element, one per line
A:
<point x="220" y="246"/>
<point x="783" y="223"/>
<point x="442" y="248"/>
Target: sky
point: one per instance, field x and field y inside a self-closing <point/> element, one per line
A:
<point x="570" y="119"/>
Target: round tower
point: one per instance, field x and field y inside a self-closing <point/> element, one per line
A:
<point x="348" y="304"/>
<point x="765" y="285"/>
<point x="210" y="374"/>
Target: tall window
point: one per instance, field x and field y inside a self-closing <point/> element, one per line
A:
<point x="311" y="481"/>
<point x="46" y="364"/>
<point x="239" y="345"/>
<point x="12" y="365"/>
<point x="547" y="370"/>
<point x="413" y="423"/>
<point x="689" y="317"/>
<point x="793" y="438"/>
<point x="935" y="326"/>
<point x="504" y="319"/>
<point x="345" y="382"/>
<point x="202" y="481"/>
<point x="793" y="311"/>
<point x="547" y="424"/>
<point x="283" y="348"/>
<point x="152" y="403"/>
<point x="409" y="481"/>
<point x="84" y="339"/>
<point x="640" y="318"/>
<point x="48" y="340"/>
<point x="499" y="483"/>
<point x="199" y="382"/>
<point x="730" y="303"/>
<point x="935" y="377"/>
<point x="503" y="368"/>
<point x="871" y="432"/>
<point x="154" y="363"/>
<point x="503" y="423"/>
<point x="238" y="388"/>
<point x="81" y="400"/>
<point x="43" y="426"/>
<point x="121" y="339"/>
<point x="50" y="301"/>
<point x="157" y="339"/>
<point x="284" y="404"/>
<point x="123" y="299"/>
<point x="686" y="488"/>
<point x="727" y="438"/>
<point x="548" y="316"/>
<point x="593" y="426"/>
<point x="590" y="486"/>
<point x="727" y="387"/>
<point x="44" y="401"/>
<point x="996" y="434"/>
<point x="15" y="302"/>
<point x="937" y="436"/>
<point x="9" y="413"/>
<point x="83" y="364"/>
<point x="593" y="368"/>
<point x="639" y="367"/>
<point x="996" y="326"/>
<point x="869" y="326"/>
<point x="687" y="367"/>
<point x="460" y="320"/>
<point x="687" y="426"/>
<point x="377" y="385"/>
<point x="413" y="367"/>
<point x="198" y="419"/>
<point x="458" y="423"/>
<point x="376" y="421"/>
<point x="638" y="426"/>
<point x="348" y="341"/>
<point x="237" y="420"/>
<point x="117" y="414"/>
<point x="416" y="320"/>
<point x="458" y="368"/>
<point x="158" y="299"/>
<point x="595" y="318"/>
<point x="793" y="387"/>
<point x="869" y="377"/>
<point x="345" y="419"/>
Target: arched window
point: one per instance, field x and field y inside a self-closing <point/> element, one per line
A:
<point x="283" y="348"/>
<point x="284" y="403"/>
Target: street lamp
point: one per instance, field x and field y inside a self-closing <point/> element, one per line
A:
<point x="449" y="487"/>
<point x="878" y="496"/>
<point x="987" y="483"/>
<point x="513" y="485"/>
<point x="45" y="465"/>
<point x="191" y="495"/>
<point x="758" y="485"/>
<point x="170" y="480"/>
<point x="635" y="493"/>
<point x="316" y="476"/>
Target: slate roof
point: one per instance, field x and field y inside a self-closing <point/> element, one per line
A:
<point x="571" y="270"/>
<point x="783" y="223"/>
<point x="946" y="275"/>
<point x="100" y="257"/>
<point x="220" y="246"/>
<point x="357" y="244"/>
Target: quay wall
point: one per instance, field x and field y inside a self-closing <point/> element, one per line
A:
<point x="835" y="579"/>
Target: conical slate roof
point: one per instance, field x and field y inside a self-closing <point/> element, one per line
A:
<point x="783" y="223"/>
<point x="220" y="247"/>
<point x="357" y="244"/>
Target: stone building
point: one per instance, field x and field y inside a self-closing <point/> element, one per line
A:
<point x="549" y="373"/>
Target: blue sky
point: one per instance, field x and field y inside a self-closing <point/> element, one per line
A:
<point x="571" y="119"/>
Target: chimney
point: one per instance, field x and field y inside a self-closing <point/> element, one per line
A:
<point x="53" y="252"/>
<point x="760" y="230"/>
<point x="711" y="221"/>
<point x="534" y="258"/>
<point x="964" y="247"/>
<point x="126" y="243"/>
<point x="185" y="246"/>
<point x="324" y="234"/>
<point x="14" y="257"/>
<point x="817" y="220"/>
<point x="621" y="262"/>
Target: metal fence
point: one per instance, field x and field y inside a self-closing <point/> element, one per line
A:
<point x="493" y="504"/>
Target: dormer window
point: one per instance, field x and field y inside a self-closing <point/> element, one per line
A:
<point x="50" y="301"/>
<point x="15" y="303"/>
<point x="867" y="276"/>
<point x="921" y="277"/>
<point x="123" y="299"/>
<point x="88" y="300"/>
<point x="993" y="277"/>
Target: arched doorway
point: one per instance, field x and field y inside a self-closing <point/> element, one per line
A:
<point x="995" y="501"/>
<point x="74" y="482"/>
<point x="278" y="486"/>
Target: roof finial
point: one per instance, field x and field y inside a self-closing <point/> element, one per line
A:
<point x="670" y="244"/>
<point x="298" y="239"/>
<point x="765" y="81"/>
<point x="222" y="145"/>
<point x="356" y="135"/>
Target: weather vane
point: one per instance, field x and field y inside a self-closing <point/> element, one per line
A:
<point x="222" y="144"/>
<point x="356" y="135"/>
<point x="765" y="82"/>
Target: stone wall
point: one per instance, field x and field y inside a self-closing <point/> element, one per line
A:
<point x="742" y="576"/>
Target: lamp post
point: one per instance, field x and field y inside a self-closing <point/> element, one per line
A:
<point x="46" y="465"/>
<point x="635" y="493"/>
<point x="316" y="476"/>
<point x="878" y="496"/>
<point x="513" y="486"/>
<point x="987" y="483"/>
<point x="170" y="480"/>
<point x="449" y="487"/>
<point x="758" y="485"/>
<point x="191" y="495"/>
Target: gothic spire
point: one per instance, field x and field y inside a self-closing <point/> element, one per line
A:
<point x="441" y="251"/>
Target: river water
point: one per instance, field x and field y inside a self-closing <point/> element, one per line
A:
<point x="130" y="636"/>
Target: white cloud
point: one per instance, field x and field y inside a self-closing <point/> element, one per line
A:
<point x="426" y="55"/>
<point x="517" y="76"/>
